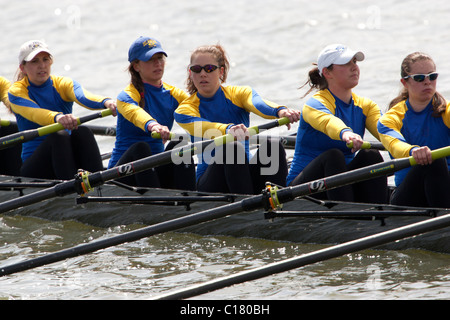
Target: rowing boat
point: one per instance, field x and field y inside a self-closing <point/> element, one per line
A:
<point x="303" y="220"/>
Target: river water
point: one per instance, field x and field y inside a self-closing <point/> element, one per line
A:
<point x="271" y="45"/>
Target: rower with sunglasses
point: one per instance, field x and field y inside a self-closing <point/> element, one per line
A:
<point x="213" y="110"/>
<point x="418" y="121"/>
<point x="147" y="105"/>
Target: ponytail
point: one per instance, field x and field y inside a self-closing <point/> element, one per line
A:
<point x="315" y="80"/>
<point x="137" y="82"/>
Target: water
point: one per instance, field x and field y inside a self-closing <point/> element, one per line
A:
<point x="271" y="45"/>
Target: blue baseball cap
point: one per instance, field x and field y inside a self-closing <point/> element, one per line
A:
<point x="144" y="48"/>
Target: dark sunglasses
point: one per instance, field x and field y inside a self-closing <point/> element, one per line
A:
<point x="421" y="77"/>
<point x="208" y="68"/>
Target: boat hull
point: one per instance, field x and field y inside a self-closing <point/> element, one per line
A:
<point x="315" y="228"/>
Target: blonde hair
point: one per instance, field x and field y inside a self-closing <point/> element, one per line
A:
<point x="219" y="54"/>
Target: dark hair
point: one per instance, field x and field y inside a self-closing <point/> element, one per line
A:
<point x="137" y="82"/>
<point x="222" y="60"/>
<point x="439" y="103"/>
<point x="315" y="80"/>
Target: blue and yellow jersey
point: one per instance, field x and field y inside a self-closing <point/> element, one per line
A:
<point x="207" y="118"/>
<point x="402" y="129"/>
<point x="324" y="118"/>
<point x="36" y="106"/>
<point x="4" y="87"/>
<point x="132" y="120"/>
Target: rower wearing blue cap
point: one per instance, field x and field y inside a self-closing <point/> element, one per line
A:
<point x="144" y="107"/>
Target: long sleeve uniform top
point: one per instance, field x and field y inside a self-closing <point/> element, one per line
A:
<point x="4" y="87"/>
<point x="132" y="120"/>
<point x="402" y="129"/>
<point x="323" y="121"/>
<point x="207" y="118"/>
<point x="35" y="106"/>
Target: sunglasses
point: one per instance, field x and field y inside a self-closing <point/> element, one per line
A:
<point x="421" y="77"/>
<point x="208" y="68"/>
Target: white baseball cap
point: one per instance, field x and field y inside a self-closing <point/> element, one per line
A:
<point x="31" y="49"/>
<point x="337" y="54"/>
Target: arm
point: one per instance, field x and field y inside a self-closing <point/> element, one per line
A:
<point x="389" y="128"/>
<point x="71" y="90"/>
<point x="4" y="87"/>
<point x="251" y="101"/>
<point x="22" y="104"/>
<point x="188" y="117"/>
<point x="128" y="106"/>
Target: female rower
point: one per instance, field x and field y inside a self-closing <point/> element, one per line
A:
<point x="331" y="119"/>
<point x="213" y="110"/>
<point x="147" y="105"/>
<point x="10" y="160"/>
<point x="38" y="99"/>
<point x="418" y="121"/>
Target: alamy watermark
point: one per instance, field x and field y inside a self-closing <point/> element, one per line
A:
<point x="72" y="16"/>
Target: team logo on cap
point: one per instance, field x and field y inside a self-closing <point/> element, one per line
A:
<point x="35" y="45"/>
<point x="150" y="43"/>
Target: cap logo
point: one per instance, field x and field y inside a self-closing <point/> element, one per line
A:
<point x="337" y="49"/>
<point x="34" y="45"/>
<point x="150" y="43"/>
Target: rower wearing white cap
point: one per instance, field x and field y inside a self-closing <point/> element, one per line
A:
<point x="39" y="98"/>
<point x="332" y="118"/>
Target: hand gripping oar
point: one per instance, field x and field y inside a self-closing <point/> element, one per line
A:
<point x="270" y="199"/>
<point x="369" y="145"/>
<point x="27" y="135"/>
<point x="85" y="181"/>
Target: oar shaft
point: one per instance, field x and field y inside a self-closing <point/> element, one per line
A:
<point x="313" y="257"/>
<point x="27" y="135"/>
<point x="127" y="237"/>
<point x="248" y="204"/>
<point x="102" y="130"/>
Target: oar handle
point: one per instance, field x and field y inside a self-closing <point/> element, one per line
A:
<point x="435" y="154"/>
<point x="57" y="126"/>
<point x="5" y="123"/>
<point x="157" y="135"/>
<point x="27" y="135"/>
<point x="368" y="145"/>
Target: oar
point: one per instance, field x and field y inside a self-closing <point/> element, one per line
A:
<point x="5" y="123"/>
<point x="84" y="182"/>
<point x="268" y="200"/>
<point x="369" y="145"/>
<point x="102" y="130"/>
<point x="27" y="135"/>
<point x="313" y="257"/>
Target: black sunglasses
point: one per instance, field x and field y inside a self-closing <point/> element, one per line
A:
<point x="208" y="68"/>
<point x="421" y="77"/>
